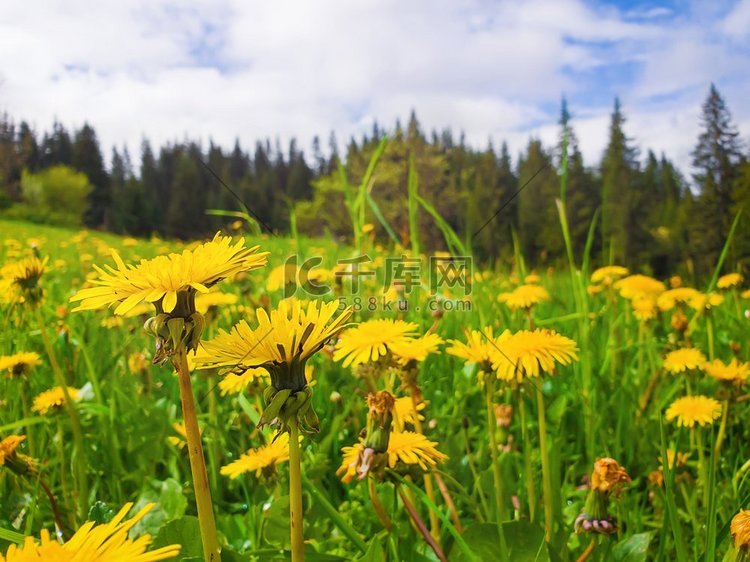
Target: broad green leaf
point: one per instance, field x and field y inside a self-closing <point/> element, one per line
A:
<point x="632" y="549"/>
<point x="185" y="532"/>
<point x="276" y="523"/>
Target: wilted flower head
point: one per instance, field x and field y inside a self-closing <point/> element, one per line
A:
<point x="740" y="531"/>
<point x="608" y="476"/>
<point x="607" y="480"/>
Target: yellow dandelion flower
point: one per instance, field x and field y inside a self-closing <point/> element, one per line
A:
<point x="745" y="294"/>
<point x="405" y="412"/>
<point x="21" y="281"/>
<point x="608" y="476"/>
<point x="19" y="364"/>
<point x="94" y="543"/>
<point x="236" y="384"/>
<point x="54" y="399"/>
<point x="529" y="354"/>
<point x="260" y="459"/>
<point x="477" y="349"/>
<point x="204" y="301"/>
<point x="129" y="242"/>
<point x="733" y="371"/>
<point x="691" y="410"/>
<point x="682" y="295"/>
<point x="524" y="296"/>
<point x="594" y="290"/>
<point x="179" y="439"/>
<point x="681" y="360"/>
<point x="644" y="307"/>
<point x="163" y="277"/>
<point x="9" y="445"/>
<point x="608" y="274"/>
<point x="638" y="284"/>
<point x="417" y="349"/>
<point x="281" y="343"/>
<point x="729" y="280"/>
<point x="281" y="276"/>
<point x="409" y="447"/>
<point x="532" y="279"/>
<point x="740" y="529"/>
<point x="706" y="301"/>
<point x="372" y="340"/>
<point x="405" y="447"/>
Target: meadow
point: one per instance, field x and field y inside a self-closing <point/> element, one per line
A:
<point x="460" y="413"/>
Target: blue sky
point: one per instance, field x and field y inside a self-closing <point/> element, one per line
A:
<point x="222" y="69"/>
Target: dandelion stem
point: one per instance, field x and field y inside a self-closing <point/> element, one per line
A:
<point x="703" y="473"/>
<point x="416" y="398"/>
<point x="546" y="474"/>
<point x="295" y="494"/>
<point x="500" y="512"/>
<point x="422" y="527"/>
<point x="75" y="421"/>
<point x="722" y="429"/>
<point x="54" y="506"/>
<point x="211" y="550"/>
<point x="449" y="502"/>
<point x="528" y="472"/>
<point x="377" y="505"/>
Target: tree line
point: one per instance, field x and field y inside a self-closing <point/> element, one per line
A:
<point x="633" y="210"/>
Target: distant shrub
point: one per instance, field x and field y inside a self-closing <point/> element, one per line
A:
<point x="57" y="195"/>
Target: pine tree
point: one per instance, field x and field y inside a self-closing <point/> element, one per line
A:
<point x="583" y="196"/>
<point x="717" y="159"/>
<point x="87" y="158"/>
<point x="618" y="170"/>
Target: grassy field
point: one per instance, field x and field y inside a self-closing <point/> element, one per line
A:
<point x="525" y="468"/>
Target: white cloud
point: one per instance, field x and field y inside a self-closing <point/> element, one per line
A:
<point x="170" y="70"/>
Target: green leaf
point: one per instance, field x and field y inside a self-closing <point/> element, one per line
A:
<point x="633" y="549"/>
<point x="11" y="536"/>
<point x="375" y="552"/>
<point x="276" y="523"/>
<point x="184" y="531"/>
<point x="170" y="504"/>
<point x="525" y="542"/>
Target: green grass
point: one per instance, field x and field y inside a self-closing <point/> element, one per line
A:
<point x="592" y="411"/>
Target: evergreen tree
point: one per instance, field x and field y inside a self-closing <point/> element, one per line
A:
<point x="618" y="170"/>
<point x="87" y="158"/>
<point x="583" y="198"/>
<point x="716" y="159"/>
